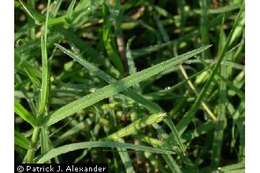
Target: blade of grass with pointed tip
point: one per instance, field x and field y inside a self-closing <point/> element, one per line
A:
<point x="152" y="107"/>
<point x="88" y="145"/>
<point x="132" y="94"/>
<point x="56" y="7"/>
<point x="119" y="86"/>
<point x="32" y="13"/>
<point x="70" y="9"/>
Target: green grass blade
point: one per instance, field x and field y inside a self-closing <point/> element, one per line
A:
<point x="32" y="13"/>
<point x="33" y="74"/>
<point x="45" y="68"/>
<point x="129" y="56"/>
<point x="56" y="7"/>
<point x="234" y="168"/>
<point x="123" y="153"/>
<point x="221" y="109"/>
<point x="204" y="26"/>
<point x="152" y="107"/>
<point x="21" y="141"/>
<point x="88" y="145"/>
<point x="126" y="160"/>
<point x="119" y="86"/>
<point x="70" y="9"/>
<point x="44" y="139"/>
<point x="24" y="114"/>
<point x="109" y="42"/>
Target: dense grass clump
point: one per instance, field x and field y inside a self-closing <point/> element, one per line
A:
<point x="143" y="86"/>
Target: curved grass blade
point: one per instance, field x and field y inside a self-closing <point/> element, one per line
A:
<point x="119" y="86"/>
<point x="88" y="145"/>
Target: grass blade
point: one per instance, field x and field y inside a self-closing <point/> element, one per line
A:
<point x="21" y="141"/>
<point x="88" y="145"/>
<point x="119" y="86"/>
<point x="45" y="69"/>
<point x="24" y="114"/>
<point x="125" y="159"/>
<point x="32" y="13"/>
<point x="152" y="107"/>
<point x="44" y="92"/>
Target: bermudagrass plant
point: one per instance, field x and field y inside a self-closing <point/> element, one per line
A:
<point x="131" y="83"/>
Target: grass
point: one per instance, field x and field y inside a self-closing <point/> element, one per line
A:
<point x="144" y="86"/>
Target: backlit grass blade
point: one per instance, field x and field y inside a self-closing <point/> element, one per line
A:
<point x="119" y="86"/>
<point x="89" y="145"/>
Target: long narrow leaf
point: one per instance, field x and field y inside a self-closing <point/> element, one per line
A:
<point x="24" y="114"/>
<point x="88" y="145"/>
<point x="45" y="69"/>
<point x="119" y="86"/>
